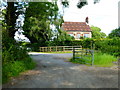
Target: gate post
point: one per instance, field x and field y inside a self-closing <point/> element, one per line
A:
<point x="73" y="53"/>
<point x="56" y="49"/>
<point x="92" y="57"/>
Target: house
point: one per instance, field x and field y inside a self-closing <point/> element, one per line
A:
<point x="77" y="29"/>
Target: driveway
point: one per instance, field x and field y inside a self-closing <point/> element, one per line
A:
<point x="54" y="71"/>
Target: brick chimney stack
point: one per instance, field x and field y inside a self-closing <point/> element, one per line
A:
<point x="87" y="20"/>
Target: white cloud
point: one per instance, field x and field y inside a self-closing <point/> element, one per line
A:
<point x="103" y="14"/>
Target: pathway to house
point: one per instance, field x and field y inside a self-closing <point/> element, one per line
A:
<point x="54" y="71"/>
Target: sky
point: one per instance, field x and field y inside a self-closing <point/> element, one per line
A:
<point x="103" y="14"/>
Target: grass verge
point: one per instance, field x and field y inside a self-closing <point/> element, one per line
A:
<point x="14" y="68"/>
<point x="100" y="59"/>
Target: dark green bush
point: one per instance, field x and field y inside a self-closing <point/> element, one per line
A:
<point x="111" y="46"/>
<point x="14" y="58"/>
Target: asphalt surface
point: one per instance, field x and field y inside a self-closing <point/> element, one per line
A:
<point x="54" y="71"/>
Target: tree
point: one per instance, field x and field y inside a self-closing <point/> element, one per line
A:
<point x="63" y="36"/>
<point x="11" y="13"/>
<point x="59" y="34"/>
<point x="38" y="18"/>
<point x="115" y="33"/>
<point x="96" y="33"/>
<point x="10" y="19"/>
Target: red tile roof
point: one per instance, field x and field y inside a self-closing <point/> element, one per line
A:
<point x="75" y="26"/>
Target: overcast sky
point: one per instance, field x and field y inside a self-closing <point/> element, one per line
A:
<point x="103" y="14"/>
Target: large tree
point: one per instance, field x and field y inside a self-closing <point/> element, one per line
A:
<point x="10" y="19"/>
<point x="96" y="33"/>
<point x="38" y="18"/>
<point x="115" y="33"/>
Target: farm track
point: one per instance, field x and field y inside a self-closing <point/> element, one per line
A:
<point x="54" y="71"/>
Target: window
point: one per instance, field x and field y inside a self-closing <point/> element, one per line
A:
<point x="71" y="35"/>
<point x="78" y="36"/>
<point x="86" y="35"/>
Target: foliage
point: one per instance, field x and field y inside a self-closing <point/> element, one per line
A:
<point x="38" y="18"/>
<point x="38" y="22"/>
<point x="96" y="33"/>
<point x="14" y="68"/>
<point x="87" y="43"/>
<point x="80" y="3"/>
<point x="11" y="13"/>
<point x="104" y="59"/>
<point x="14" y="58"/>
<point x="15" y="61"/>
<point x="100" y="59"/>
<point x="110" y="46"/>
<point x="115" y="33"/>
<point x="63" y="36"/>
<point x="65" y="3"/>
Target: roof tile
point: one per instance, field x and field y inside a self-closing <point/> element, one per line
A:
<point x="78" y="26"/>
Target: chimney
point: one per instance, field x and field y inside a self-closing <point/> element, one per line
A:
<point x="86" y="20"/>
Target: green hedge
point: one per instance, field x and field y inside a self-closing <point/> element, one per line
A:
<point x="111" y="46"/>
<point x="105" y="45"/>
<point x="14" y="58"/>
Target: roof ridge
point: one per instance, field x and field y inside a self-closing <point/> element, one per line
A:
<point x="75" y="22"/>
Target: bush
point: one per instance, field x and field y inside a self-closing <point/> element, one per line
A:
<point x="14" y="62"/>
<point x="110" y="46"/>
<point x="14" y="58"/>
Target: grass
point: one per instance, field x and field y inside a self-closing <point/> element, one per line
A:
<point x="14" y="68"/>
<point x="104" y="60"/>
<point x="100" y="59"/>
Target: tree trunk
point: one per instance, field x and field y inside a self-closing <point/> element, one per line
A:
<point x="11" y="19"/>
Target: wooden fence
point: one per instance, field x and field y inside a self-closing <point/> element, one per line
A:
<point x="58" y="48"/>
<point x="82" y="54"/>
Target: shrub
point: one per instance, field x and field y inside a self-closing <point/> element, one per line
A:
<point x="14" y="58"/>
<point x="110" y="46"/>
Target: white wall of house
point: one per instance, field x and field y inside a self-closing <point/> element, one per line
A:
<point x="77" y="35"/>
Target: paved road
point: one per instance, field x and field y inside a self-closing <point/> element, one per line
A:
<point x="54" y="71"/>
